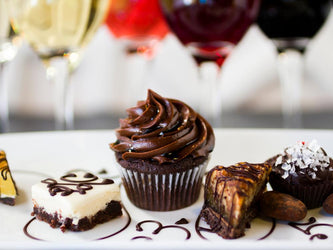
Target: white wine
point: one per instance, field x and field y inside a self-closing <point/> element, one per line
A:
<point x="56" y="27"/>
<point x="7" y="49"/>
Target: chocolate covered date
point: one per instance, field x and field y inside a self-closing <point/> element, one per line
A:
<point x="328" y="204"/>
<point x="282" y="206"/>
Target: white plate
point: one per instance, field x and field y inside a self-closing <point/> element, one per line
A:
<point x="34" y="156"/>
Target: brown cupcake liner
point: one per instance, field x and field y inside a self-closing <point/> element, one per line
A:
<point x="163" y="192"/>
<point x="312" y="196"/>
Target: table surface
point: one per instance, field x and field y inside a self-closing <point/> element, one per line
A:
<point x="322" y="120"/>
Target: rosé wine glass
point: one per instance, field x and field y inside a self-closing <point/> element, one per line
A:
<point x="139" y="27"/>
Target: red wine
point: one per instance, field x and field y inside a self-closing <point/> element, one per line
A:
<point x="292" y="19"/>
<point x="210" y="25"/>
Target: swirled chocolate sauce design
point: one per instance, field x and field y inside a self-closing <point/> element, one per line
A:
<point x="270" y="231"/>
<point x="199" y="229"/>
<point x="161" y="227"/>
<point x="128" y="222"/>
<point x="310" y="224"/>
<point x="297" y="225"/>
<point x="82" y="186"/>
<point x="165" y="130"/>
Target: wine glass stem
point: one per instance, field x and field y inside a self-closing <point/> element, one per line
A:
<point x="59" y="73"/>
<point x="137" y="69"/>
<point x="4" y="114"/>
<point x="210" y="106"/>
<point x="290" y="70"/>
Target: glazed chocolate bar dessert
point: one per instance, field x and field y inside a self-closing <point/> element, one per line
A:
<point x="77" y="201"/>
<point x="8" y="191"/>
<point x="231" y="197"/>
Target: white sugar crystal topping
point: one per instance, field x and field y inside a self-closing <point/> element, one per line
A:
<point x="309" y="156"/>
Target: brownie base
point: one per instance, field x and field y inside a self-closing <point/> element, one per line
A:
<point x="112" y="210"/>
<point x="8" y="201"/>
<point x="221" y="226"/>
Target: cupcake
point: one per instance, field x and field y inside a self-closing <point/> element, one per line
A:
<point x="304" y="171"/>
<point x="163" y="149"/>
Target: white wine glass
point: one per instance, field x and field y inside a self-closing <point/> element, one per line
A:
<point x="9" y="43"/>
<point x="57" y="30"/>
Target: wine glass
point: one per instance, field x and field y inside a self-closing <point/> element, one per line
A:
<point x="139" y="27"/>
<point x="210" y="30"/>
<point x="291" y="24"/>
<point x="57" y="30"/>
<point x="8" y="48"/>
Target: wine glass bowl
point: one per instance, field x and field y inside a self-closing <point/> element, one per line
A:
<point x="138" y="24"/>
<point x="291" y="24"/>
<point x="210" y="26"/>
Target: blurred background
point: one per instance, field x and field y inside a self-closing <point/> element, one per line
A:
<point x="103" y="84"/>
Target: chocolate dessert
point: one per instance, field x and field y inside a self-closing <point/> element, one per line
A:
<point x="163" y="148"/>
<point x="77" y="201"/>
<point x="231" y="197"/>
<point x="305" y="171"/>
<point x="8" y="191"/>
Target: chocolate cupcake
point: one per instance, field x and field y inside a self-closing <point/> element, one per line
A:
<point x="304" y="171"/>
<point x="163" y="148"/>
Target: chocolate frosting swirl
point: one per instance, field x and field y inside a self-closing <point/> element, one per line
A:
<point x="162" y="129"/>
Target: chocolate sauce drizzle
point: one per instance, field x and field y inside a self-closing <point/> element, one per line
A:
<point x="297" y="225"/>
<point x="160" y="227"/>
<point x="199" y="229"/>
<point x="141" y="237"/>
<point x="4" y="170"/>
<point x="129" y="219"/>
<point x="81" y="185"/>
<point x="270" y="231"/>
<point x="311" y="224"/>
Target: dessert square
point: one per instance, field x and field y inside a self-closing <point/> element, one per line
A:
<point x="76" y="201"/>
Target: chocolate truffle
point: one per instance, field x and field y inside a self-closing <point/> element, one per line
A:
<point x="304" y="171"/>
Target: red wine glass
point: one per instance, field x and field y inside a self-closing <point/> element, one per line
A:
<point x="140" y="27"/>
<point x="291" y="24"/>
<point x="210" y="29"/>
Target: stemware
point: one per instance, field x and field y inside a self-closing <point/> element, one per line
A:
<point x="210" y="29"/>
<point x="138" y="25"/>
<point x="57" y="30"/>
<point x="8" y="48"/>
<point x="291" y="24"/>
